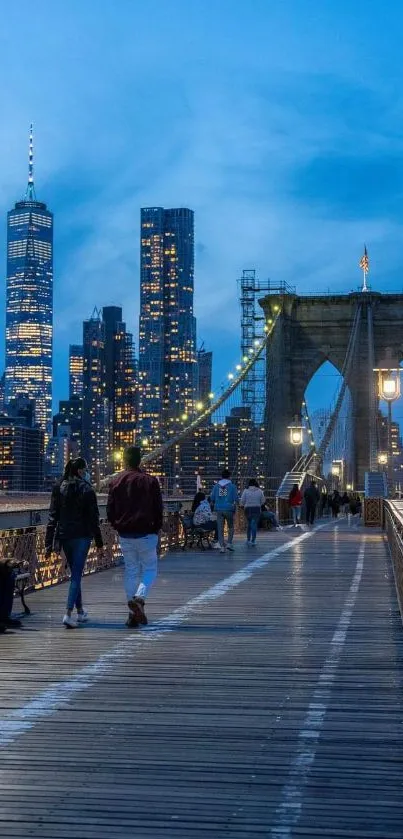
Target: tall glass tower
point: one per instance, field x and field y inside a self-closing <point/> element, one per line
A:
<point x="29" y="306"/>
<point x="167" y="346"/>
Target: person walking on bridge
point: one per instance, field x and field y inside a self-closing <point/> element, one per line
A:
<point x="252" y="500"/>
<point x="73" y="524"/>
<point x="311" y="496"/>
<point x="135" y="510"/>
<point x="224" y="497"/>
<point x="295" y="502"/>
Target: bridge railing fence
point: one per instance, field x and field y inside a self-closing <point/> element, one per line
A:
<point x="393" y="524"/>
<point x="27" y="546"/>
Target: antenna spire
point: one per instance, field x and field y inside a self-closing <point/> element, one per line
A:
<point x="30" y="194"/>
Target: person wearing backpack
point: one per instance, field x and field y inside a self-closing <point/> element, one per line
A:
<point x="73" y="524"/>
<point x="224" y="497"/>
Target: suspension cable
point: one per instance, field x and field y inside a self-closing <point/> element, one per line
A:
<point x="346" y="375"/>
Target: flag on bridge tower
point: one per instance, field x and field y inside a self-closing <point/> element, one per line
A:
<point x="364" y="261"/>
<point x="364" y="265"/>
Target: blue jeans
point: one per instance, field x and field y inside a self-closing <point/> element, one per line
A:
<point x="222" y="517"/>
<point x="267" y="515"/>
<point x="252" y="516"/>
<point x="76" y="552"/>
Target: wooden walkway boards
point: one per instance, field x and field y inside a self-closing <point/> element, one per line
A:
<point x="265" y="699"/>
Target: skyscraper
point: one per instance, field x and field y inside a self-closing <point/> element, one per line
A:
<point x="204" y="374"/>
<point x="108" y="402"/>
<point x="95" y="406"/>
<point x="167" y="347"/>
<point x="119" y="377"/>
<point x="29" y="306"/>
<point x="76" y="367"/>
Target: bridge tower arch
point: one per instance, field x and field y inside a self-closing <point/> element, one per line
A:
<point x="312" y="329"/>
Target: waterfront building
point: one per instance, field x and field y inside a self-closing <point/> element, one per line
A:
<point x="29" y="302"/>
<point x="21" y="448"/>
<point x="76" y="370"/>
<point x="204" y="375"/>
<point x="167" y="346"/>
<point x="95" y="406"/>
<point x="120" y="386"/>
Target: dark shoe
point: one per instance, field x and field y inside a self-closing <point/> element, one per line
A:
<point x="13" y="623"/>
<point x="136" y="606"/>
<point x="131" y="622"/>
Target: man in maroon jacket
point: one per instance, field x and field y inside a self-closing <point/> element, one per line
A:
<point x="135" y="511"/>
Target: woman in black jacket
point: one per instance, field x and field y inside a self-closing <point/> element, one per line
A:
<point x="73" y="523"/>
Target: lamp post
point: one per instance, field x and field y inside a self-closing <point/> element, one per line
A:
<point x="389" y="391"/>
<point x="296" y="438"/>
<point x="337" y="470"/>
<point x="383" y="458"/>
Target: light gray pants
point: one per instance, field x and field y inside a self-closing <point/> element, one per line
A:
<point x="222" y="517"/>
<point x="141" y="564"/>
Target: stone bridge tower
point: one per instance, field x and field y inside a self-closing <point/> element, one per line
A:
<point x="311" y="330"/>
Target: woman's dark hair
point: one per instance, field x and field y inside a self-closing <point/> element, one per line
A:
<point x="72" y="467"/>
<point x="199" y="497"/>
<point x="253" y="482"/>
<point x="294" y="490"/>
<point x="225" y="473"/>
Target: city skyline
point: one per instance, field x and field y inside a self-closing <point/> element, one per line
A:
<point x="288" y="152"/>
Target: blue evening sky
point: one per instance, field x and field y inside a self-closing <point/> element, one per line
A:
<point x="280" y="122"/>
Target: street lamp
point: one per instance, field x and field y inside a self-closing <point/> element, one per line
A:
<point x="389" y="390"/>
<point x="296" y="438"/>
<point x="337" y="470"/>
<point x="296" y="435"/>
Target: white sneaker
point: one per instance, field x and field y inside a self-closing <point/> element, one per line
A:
<point x="216" y="546"/>
<point x="222" y="550"/>
<point x="247" y="542"/>
<point x="69" y="622"/>
<point x="82" y="617"/>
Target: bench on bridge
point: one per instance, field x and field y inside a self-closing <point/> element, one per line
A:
<point x="194" y="536"/>
<point x="21" y="583"/>
<point x="22" y="579"/>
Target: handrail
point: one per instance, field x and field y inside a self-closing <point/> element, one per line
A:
<point x="393" y="524"/>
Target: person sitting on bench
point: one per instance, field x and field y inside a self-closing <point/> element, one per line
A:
<point x="203" y="518"/>
<point x="7" y="583"/>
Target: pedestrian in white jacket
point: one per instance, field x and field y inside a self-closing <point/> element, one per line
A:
<point x="252" y="500"/>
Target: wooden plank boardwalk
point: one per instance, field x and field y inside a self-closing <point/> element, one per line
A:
<point x="265" y="699"/>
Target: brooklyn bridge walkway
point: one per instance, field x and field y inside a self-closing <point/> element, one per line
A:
<point x="264" y="700"/>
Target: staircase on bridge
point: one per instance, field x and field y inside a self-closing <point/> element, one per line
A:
<point x="290" y="478"/>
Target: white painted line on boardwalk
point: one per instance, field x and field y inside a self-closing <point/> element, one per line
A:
<point x="57" y="695"/>
<point x="289" y="810"/>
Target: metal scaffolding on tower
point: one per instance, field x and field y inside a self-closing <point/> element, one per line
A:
<point x="251" y="288"/>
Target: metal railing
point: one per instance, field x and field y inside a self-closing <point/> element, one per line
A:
<point x="393" y="524"/>
<point x="27" y="545"/>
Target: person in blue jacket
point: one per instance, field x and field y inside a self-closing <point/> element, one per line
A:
<point x="224" y="497"/>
